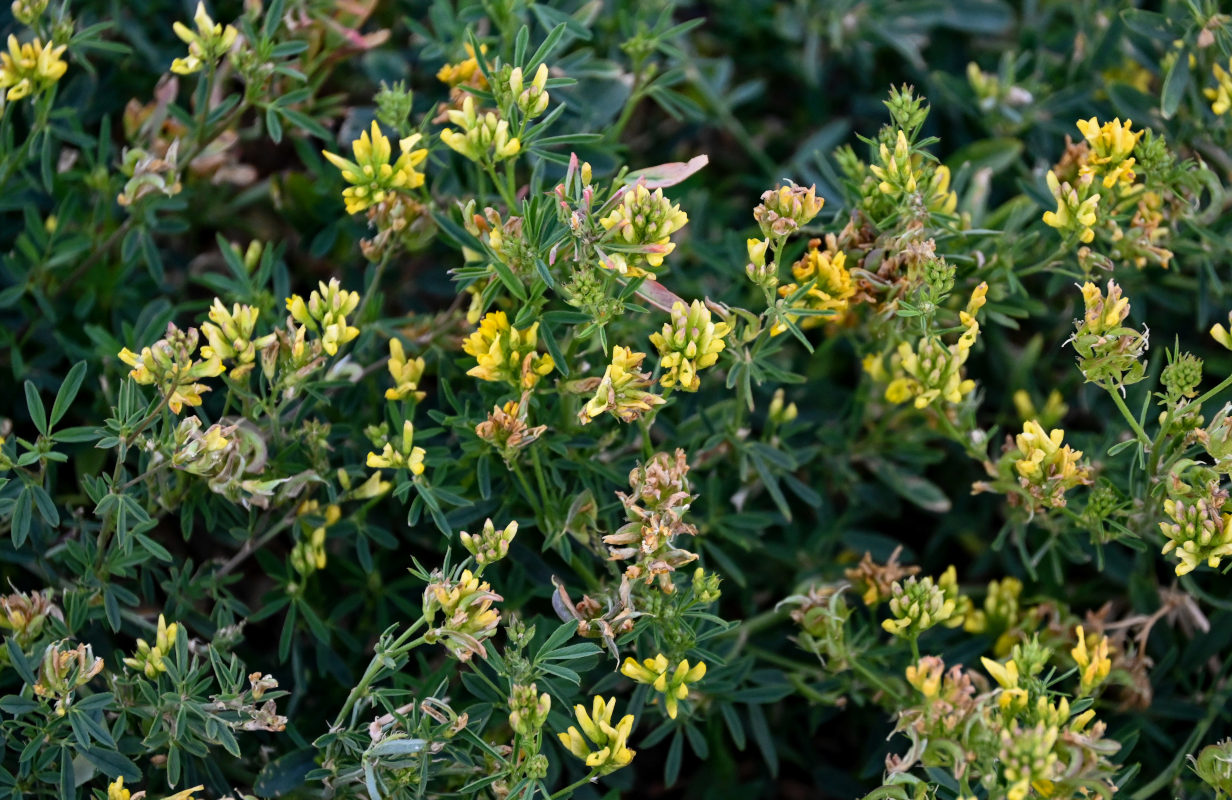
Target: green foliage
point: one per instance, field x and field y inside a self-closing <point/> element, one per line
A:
<point x="740" y="354"/>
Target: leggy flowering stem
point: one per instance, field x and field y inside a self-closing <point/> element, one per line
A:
<point x="1223" y="384"/>
<point x="371" y="288"/>
<point x="399" y="648"/>
<point x="576" y="785"/>
<point x="1133" y="423"/>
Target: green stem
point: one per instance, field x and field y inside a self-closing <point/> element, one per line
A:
<point x="1223" y="384"/>
<point x="399" y="648"/>
<point x="576" y="785"/>
<point x="1133" y="423"/>
<point x="370" y="290"/>
<point x="874" y="679"/>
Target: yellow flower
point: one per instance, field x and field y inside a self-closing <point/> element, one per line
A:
<point x="186" y="794"/>
<point x="230" y="336"/>
<point x="489" y="545"/>
<point x="482" y="136"/>
<point x="464" y="71"/>
<point x="1111" y="145"/>
<point x="689" y="343"/>
<point x="169" y="365"/>
<point x="622" y="390"/>
<point x="325" y="313"/>
<point x="371" y="176"/>
<point x="469" y="617"/>
<point x="1046" y="467"/>
<point x="1075" y="207"/>
<point x="400" y="453"/>
<point x="829" y="285"/>
<point x="1093" y="665"/>
<point x="149" y="659"/>
<point x="505" y="353"/>
<point x="116" y="790"/>
<point x="405" y="372"/>
<point x="30" y="67"/>
<point x="1013" y="697"/>
<point x="926" y="675"/>
<point x="642" y="223"/>
<point x="1221" y="95"/>
<point x="209" y="43"/>
<point x="671" y="683"/>
<point x="607" y="750"/>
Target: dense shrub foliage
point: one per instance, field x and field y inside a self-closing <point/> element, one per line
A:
<point x="505" y="399"/>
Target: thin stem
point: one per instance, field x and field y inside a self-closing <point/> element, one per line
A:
<point x="576" y="785"/>
<point x="399" y="648"/>
<point x="370" y="290"/>
<point x="1223" y="384"/>
<point x="1133" y="423"/>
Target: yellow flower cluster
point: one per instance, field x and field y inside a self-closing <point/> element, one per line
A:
<point x="489" y="545"/>
<point x="230" y="336"/>
<point x="622" y="390"/>
<point x="642" y="221"/>
<point x="1111" y="145"/>
<point x="309" y="555"/>
<point x="400" y="453"/>
<point x="483" y="138"/>
<point x="1092" y="659"/>
<point x="469" y="617"/>
<point x="1199" y="530"/>
<point x="406" y="372"/>
<point x="209" y="43"/>
<point x="900" y="173"/>
<point x="1046" y="467"/>
<point x="149" y="659"/>
<point x="326" y="312"/>
<point x="1221" y="95"/>
<point x="169" y="364"/>
<point x="464" y="71"/>
<point x="1076" y="208"/>
<point x="672" y="683"/>
<point x="507" y="354"/>
<point x="607" y="749"/>
<point x="373" y="179"/>
<point x="828" y="285"/>
<point x="30" y="67"/>
<point x="932" y="371"/>
<point x="689" y="343"/>
<point x="918" y="604"/>
<point x="531" y="100"/>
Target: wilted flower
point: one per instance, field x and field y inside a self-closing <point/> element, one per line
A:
<point x="507" y="354"/>
<point x="622" y="389"/>
<point x="783" y="211"/>
<point x="149" y="173"/>
<point x="827" y="285"/>
<point x="63" y="670"/>
<point x="149" y="659"/>
<point x="169" y="365"/>
<point x="507" y="430"/>
<point x="671" y="682"/>
<point x="689" y="343"/>
<point x="609" y="751"/>
<point x="206" y="45"/>
<point x="371" y="176"/>
<point x="30" y="67"/>
<point x="469" y="617"/>
<point x="875" y="582"/>
<point x="1109" y="353"/>
<point x="639" y="230"/>
<point x="25" y="614"/>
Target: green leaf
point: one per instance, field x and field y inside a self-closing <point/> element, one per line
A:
<point x="34" y="403"/>
<point x="68" y="391"/>
<point x="1175" y="84"/>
